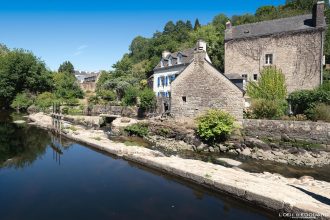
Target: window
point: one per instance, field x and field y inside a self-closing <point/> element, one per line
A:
<point x="255" y="77"/>
<point x="166" y="80"/>
<point x="184" y="98"/>
<point x="244" y="76"/>
<point x="179" y="60"/>
<point x="158" y="83"/>
<point x="162" y="63"/>
<point x="269" y="59"/>
<point x="170" y="61"/>
<point x="172" y="78"/>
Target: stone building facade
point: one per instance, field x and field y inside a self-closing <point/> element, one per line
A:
<point x="201" y="87"/>
<point x="294" y="45"/>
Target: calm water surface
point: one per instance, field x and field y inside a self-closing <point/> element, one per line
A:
<point x="45" y="177"/>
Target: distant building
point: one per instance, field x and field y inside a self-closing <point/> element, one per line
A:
<point x="294" y="45"/>
<point x="83" y="76"/>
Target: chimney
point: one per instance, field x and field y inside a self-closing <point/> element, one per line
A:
<point x="201" y="45"/>
<point x="228" y="25"/>
<point x="318" y="14"/>
<point x="165" y="54"/>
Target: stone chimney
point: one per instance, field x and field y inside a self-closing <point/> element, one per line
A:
<point x="318" y="14"/>
<point x="165" y="54"/>
<point x="228" y="25"/>
<point x="201" y="45"/>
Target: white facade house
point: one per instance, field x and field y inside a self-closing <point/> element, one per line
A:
<point x="170" y="66"/>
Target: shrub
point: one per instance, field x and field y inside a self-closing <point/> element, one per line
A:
<point x="268" y="109"/>
<point x="130" y="97"/>
<point x="22" y="101"/>
<point x="45" y="100"/>
<point x="147" y="99"/>
<point x="139" y="129"/>
<point x="107" y="95"/>
<point x="65" y="110"/>
<point x="305" y="100"/>
<point x="215" y="125"/>
<point x="298" y="117"/>
<point x="320" y="112"/>
<point x="94" y="100"/>
<point x="270" y="86"/>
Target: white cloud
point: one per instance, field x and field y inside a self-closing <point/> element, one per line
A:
<point x="81" y="47"/>
<point x="80" y="50"/>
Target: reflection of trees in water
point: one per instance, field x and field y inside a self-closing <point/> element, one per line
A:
<point x="22" y="145"/>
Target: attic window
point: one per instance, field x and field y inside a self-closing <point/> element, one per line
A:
<point x="170" y="61"/>
<point x="179" y="60"/>
<point x="161" y="63"/>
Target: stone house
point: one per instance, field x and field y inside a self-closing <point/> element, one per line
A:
<point x="201" y="86"/>
<point x="294" y="45"/>
<point x="187" y="84"/>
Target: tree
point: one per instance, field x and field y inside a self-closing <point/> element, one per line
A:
<point x="219" y="22"/>
<point x="197" y="24"/>
<point x="66" y="67"/>
<point x="20" y="70"/>
<point x="270" y="86"/>
<point x="66" y="86"/>
<point x="130" y="97"/>
<point x="266" y="13"/>
<point x="45" y="100"/>
<point x="147" y="99"/>
<point x="22" y="101"/>
<point x="169" y="27"/>
<point x="189" y="25"/>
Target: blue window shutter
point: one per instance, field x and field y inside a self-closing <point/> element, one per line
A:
<point x="166" y="80"/>
<point x="158" y="82"/>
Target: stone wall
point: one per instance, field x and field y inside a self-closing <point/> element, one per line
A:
<point x="88" y="86"/>
<point x="316" y="132"/>
<point x="297" y="55"/>
<point x="200" y="87"/>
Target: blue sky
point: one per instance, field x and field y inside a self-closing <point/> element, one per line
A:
<point x="95" y="34"/>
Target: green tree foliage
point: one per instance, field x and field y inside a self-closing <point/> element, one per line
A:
<point x="270" y="86"/>
<point x="215" y="125"/>
<point x="267" y="13"/>
<point x="21" y="71"/>
<point x="147" y="99"/>
<point x="67" y="67"/>
<point x="66" y="86"/>
<point x="22" y="101"/>
<point x="45" y="100"/>
<point x="130" y="97"/>
<point x="197" y="24"/>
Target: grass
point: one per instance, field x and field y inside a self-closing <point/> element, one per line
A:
<point x="97" y="138"/>
<point x="72" y="128"/>
<point x="207" y="176"/>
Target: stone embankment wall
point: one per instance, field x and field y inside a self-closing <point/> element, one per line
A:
<point x="316" y="132"/>
<point x="88" y="86"/>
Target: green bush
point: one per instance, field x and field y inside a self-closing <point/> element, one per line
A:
<point x="65" y="110"/>
<point x="130" y="97"/>
<point x="22" y="101"/>
<point x="321" y="112"/>
<point x="215" y="125"/>
<point x="305" y="100"/>
<point x="45" y="100"/>
<point x="107" y="95"/>
<point x="139" y="129"/>
<point x="147" y="99"/>
<point x="270" y="86"/>
<point x="268" y="109"/>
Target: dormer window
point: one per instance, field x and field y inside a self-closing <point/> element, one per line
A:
<point x="170" y="61"/>
<point x="179" y="60"/>
<point x="162" y="63"/>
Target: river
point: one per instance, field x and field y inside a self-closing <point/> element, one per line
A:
<point x="48" y="177"/>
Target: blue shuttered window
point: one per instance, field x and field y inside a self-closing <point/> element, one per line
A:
<point x="158" y="81"/>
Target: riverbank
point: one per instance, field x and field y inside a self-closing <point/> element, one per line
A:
<point x="272" y="191"/>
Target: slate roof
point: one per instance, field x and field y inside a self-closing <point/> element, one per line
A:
<point x="277" y="26"/>
<point x="187" y="57"/>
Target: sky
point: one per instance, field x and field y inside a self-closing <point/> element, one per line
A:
<point x="94" y="34"/>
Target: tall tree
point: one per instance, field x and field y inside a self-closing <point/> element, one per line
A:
<point x="197" y="24"/>
<point x="66" y="67"/>
<point x="189" y="25"/>
<point x="169" y="27"/>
